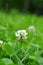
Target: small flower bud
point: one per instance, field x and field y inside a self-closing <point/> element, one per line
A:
<point x="32" y="29"/>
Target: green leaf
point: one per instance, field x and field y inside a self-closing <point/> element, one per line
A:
<point x="8" y="49"/>
<point x="6" y="61"/>
<point x="40" y="61"/>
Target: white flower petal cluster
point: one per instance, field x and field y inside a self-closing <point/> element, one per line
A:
<point x="32" y="29"/>
<point x="1" y="42"/>
<point x="21" y="34"/>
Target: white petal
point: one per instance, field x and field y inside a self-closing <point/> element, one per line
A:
<point x="1" y="42"/>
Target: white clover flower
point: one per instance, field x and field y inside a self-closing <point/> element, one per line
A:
<point x="21" y="34"/>
<point x="32" y="29"/>
<point x="1" y="42"/>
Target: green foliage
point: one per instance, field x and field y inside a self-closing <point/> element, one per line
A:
<point x="26" y="52"/>
<point x="8" y="49"/>
<point x="6" y="61"/>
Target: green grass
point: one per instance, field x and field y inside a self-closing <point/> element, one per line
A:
<point x="9" y="24"/>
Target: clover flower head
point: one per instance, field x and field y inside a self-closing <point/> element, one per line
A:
<point x="32" y="29"/>
<point x="1" y="42"/>
<point x="21" y="34"/>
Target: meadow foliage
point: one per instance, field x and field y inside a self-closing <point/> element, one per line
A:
<point x="21" y="39"/>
